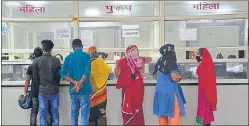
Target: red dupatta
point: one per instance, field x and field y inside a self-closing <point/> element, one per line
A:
<point x="124" y="79"/>
<point x="128" y="66"/>
<point x="124" y="82"/>
<point x="207" y="78"/>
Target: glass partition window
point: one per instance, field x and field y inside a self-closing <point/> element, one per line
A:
<point x="19" y="9"/>
<point x="205" y="7"/>
<point x="118" y="8"/>
<point x="109" y="35"/>
<point x="210" y="34"/>
<point x="30" y="35"/>
<point x="100" y="34"/>
<point x="224" y="70"/>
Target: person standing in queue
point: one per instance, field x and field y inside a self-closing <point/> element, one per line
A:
<point x="76" y="70"/>
<point x="35" y="92"/>
<point x="169" y="99"/>
<point x="207" y="91"/>
<point x="130" y="79"/>
<point x="46" y="73"/>
<point x="98" y="78"/>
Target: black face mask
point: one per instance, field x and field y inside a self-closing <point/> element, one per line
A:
<point x="198" y="58"/>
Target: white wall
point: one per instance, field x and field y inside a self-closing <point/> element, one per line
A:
<point x="232" y="106"/>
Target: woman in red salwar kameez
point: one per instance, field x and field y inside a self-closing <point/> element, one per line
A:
<point x="207" y="92"/>
<point x="130" y="79"/>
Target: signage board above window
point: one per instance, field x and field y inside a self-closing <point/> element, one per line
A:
<point x="206" y="6"/>
<point x="118" y="9"/>
<point x="32" y="9"/>
<point x="130" y="31"/>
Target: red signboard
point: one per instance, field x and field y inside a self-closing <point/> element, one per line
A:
<point x="32" y="9"/>
<point x="205" y="6"/>
<point x="117" y="8"/>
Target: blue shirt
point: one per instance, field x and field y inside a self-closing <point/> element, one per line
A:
<point x="75" y="66"/>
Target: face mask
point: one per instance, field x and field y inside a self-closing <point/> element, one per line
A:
<point x="134" y="55"/>
<point x="136" y="59"/>
<point x="198" y="58"/>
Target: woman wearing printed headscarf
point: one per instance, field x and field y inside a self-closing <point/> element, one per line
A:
<point x="168" y="99"/>
<point x="130" y="80"/>
<point x="207" y="92"/>
<point x="98" y="78"/>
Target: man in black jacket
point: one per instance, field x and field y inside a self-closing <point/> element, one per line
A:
<point x="46" y="71"/>
<point x="35" y="91"/>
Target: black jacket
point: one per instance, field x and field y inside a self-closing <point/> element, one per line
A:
<point x="46" y="73"/>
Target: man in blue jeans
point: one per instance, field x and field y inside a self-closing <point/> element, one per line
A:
<point x="46" y="73"/>
<point x="76" y="70"/>
<point x="35" y="91"/>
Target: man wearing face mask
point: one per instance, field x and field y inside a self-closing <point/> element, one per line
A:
<point x="76" y="70"/>
<point x="207" y="92"/>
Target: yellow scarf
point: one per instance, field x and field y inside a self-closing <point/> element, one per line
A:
<point x="99" y="74"/>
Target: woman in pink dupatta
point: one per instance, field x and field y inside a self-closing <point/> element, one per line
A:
<point x="130" y="80"/>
